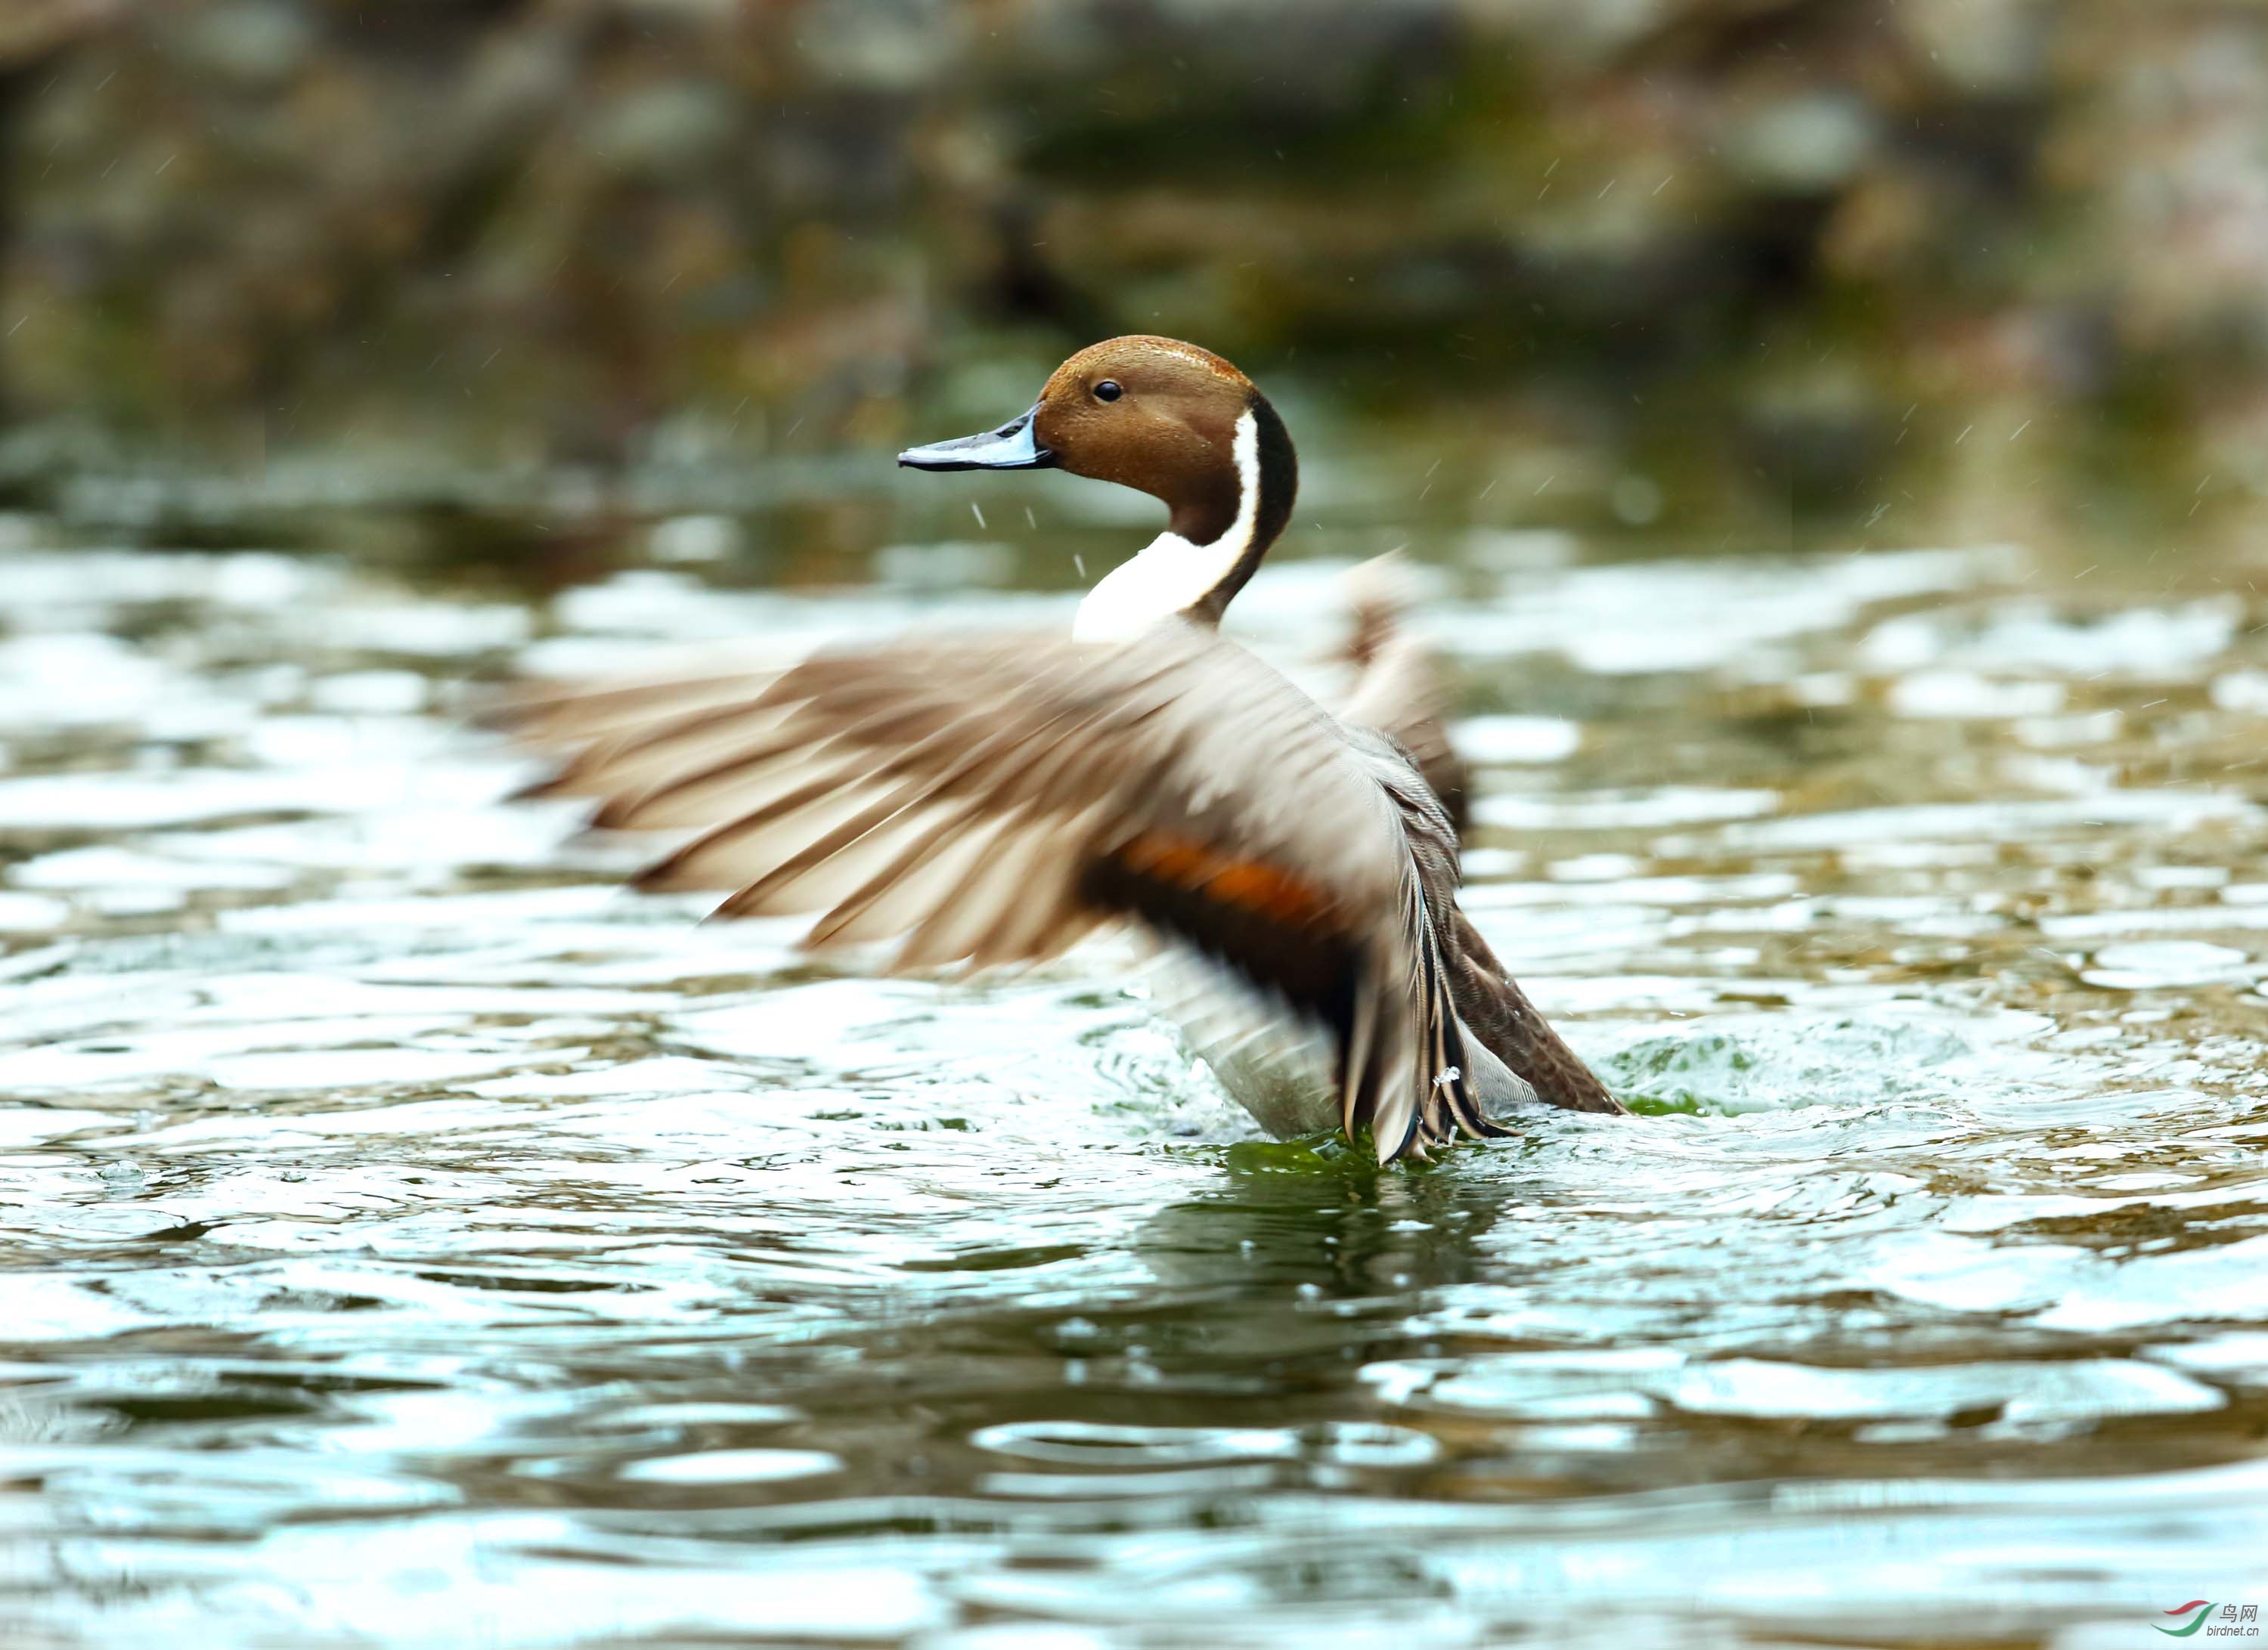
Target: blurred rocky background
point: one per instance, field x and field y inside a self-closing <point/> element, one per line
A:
<point x="523" y="274"/>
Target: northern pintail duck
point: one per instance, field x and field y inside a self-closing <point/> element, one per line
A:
<point x="991" y="799"/>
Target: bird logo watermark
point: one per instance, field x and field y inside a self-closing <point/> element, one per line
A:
<point x="2225" y="1621"/>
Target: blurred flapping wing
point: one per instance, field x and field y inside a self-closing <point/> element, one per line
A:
<point x="991" y="800"/>
<point x="1399" y="694"/>
<point x="1398" y="690"/>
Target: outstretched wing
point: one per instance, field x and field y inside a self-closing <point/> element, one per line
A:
<point x="1398" y="688"/>
<point x="993" y="800"/>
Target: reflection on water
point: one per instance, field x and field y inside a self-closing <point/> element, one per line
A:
<point x="411" y="1239"/>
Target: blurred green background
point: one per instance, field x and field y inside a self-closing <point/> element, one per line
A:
<point x="522" y="274"/>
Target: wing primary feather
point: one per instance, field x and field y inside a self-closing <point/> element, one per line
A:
<point x="574" y="715"/>
<point x="677" y="869"/>
<point x="949" y="930"/>
<point x="648" y="806"/>
<point x="1355" y="1079"/>
<point x="875" y="825"/>
<point x="869" y="733"/>
<point x="895" y="898"/>
<point x="1395" y="1105"/>
<point x="1025" y="927"/>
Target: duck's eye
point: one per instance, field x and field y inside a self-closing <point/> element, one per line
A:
<point x="1107" y="390"/>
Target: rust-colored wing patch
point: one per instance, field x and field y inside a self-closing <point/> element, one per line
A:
<point x="1253" y="886"/>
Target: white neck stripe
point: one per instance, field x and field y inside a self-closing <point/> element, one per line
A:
<point x="1172" y="574"/>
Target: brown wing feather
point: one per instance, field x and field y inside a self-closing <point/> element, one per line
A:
<point x="1398" y="690"/>
<point x="991" y="800"/>
<point x="1497" y="1012"/>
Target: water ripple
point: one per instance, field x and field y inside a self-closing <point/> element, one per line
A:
<point x="411" y="1237"/>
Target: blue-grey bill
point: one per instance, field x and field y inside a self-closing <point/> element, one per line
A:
<point x="1012" y="446"/>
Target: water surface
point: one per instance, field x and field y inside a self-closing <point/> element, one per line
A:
<point x="413" y="1240"/>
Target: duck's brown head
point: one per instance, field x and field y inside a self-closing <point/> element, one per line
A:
<point x="1168" y="419"/>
